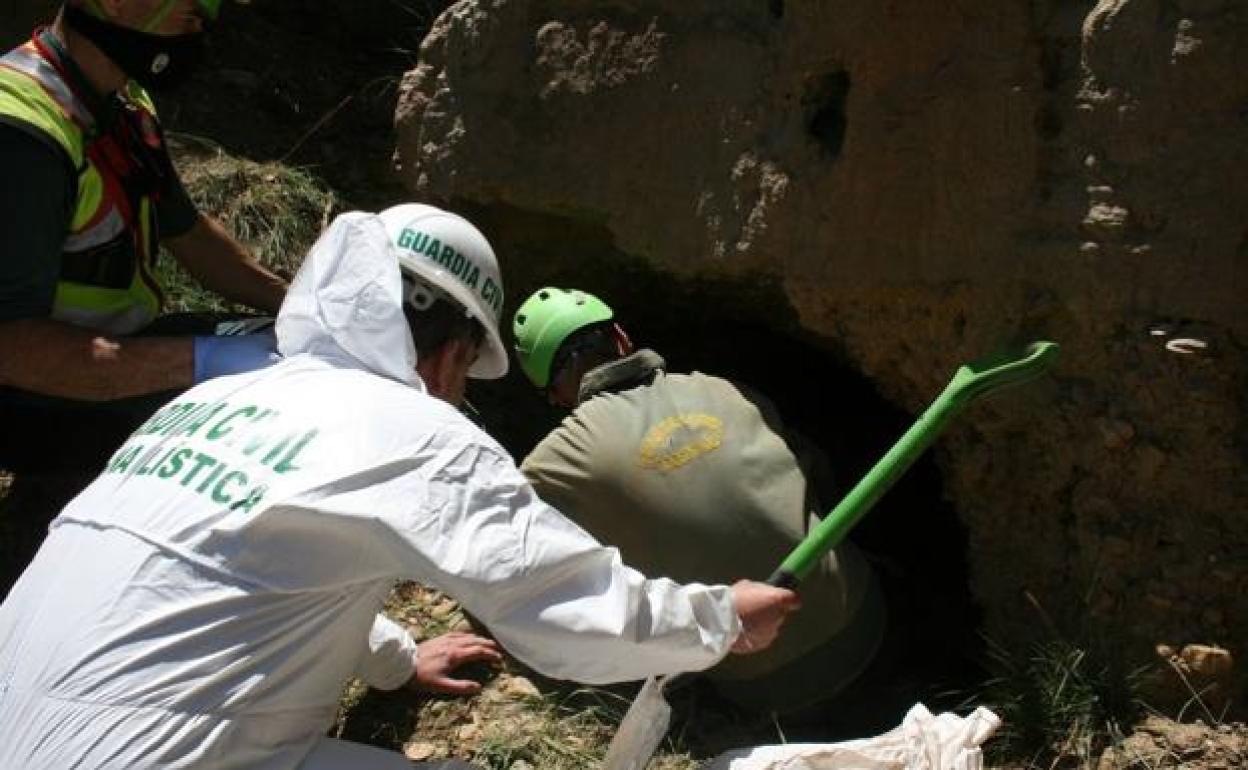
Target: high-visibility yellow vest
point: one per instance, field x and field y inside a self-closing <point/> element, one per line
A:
<point x="108" y="260"/>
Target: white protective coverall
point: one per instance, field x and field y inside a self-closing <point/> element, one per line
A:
<point x="202" y="602"/>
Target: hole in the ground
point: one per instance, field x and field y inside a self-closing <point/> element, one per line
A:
<point x="745" y="330"/>
<point x="824" y="104"/>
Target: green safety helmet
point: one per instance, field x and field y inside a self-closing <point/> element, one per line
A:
<point x="545" y="320"/>
<point x="210" y="7"/>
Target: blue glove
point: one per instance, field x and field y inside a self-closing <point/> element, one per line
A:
<point x="217" y="356"/>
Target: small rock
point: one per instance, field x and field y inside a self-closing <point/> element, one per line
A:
<point x="1185" y="43"/>
<point x="440" y="707"/>
<point x="1186" y="345"/>
<point x="1207" y="661"/>
<point x="1106" y="219"/>
<point x="520" y="687"/>
<point x="1116" y="434"/>
<point x="1203" y="671"/>
<point x="419" y="750"/>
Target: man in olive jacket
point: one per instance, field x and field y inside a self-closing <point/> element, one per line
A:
<point x="695" y="478"/>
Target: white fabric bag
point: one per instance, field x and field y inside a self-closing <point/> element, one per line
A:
<point x="922" y="742"/>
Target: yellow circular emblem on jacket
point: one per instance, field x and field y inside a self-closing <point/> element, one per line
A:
<point x="677" y="440"/>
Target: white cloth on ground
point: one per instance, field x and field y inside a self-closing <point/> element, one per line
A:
<point x="922" y="742"/>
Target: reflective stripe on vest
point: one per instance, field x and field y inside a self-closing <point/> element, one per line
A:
<point x="106" y="280"/>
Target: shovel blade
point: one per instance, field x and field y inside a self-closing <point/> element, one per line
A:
<point x="642" y="729"/>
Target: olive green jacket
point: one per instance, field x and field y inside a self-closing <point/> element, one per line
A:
<point x="690" y="476"/>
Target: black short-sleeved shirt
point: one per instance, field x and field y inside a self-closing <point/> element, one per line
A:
<point x="37" y="201"/>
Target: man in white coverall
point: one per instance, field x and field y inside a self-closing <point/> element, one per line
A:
<point x="202" y="602"/>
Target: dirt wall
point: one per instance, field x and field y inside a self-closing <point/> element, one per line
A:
<point x="925" y="185"/>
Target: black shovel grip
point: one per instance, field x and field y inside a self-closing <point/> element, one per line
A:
<point x="782" y="578"/>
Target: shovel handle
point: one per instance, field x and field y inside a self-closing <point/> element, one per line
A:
<point x="837" y="524"/>
<point x="967" y="384"/>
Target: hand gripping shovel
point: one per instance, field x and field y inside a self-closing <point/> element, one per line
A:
<point x="646" y="721"/>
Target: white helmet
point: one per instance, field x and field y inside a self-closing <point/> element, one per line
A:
<point x="445" y="251"/>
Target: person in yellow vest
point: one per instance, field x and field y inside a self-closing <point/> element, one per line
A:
<point x="694" y="478"/>
<point x="89" y="196"/>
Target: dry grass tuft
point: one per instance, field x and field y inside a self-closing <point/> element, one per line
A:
<point x="277" y="211"/>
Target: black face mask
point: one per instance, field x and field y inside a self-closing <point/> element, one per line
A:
<point x="159" y="62"/>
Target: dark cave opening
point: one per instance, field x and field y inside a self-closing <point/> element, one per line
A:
<point x="744" y="330"/>
<point x="913" y="538"/>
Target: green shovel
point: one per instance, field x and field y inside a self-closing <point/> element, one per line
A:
<point x="646" y="721"/>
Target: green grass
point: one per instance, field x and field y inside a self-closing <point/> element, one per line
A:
<point x="551" y="731"/>
<point x="1061" y="704"/>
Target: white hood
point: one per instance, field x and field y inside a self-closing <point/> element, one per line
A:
<point x="346" y="303"/>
